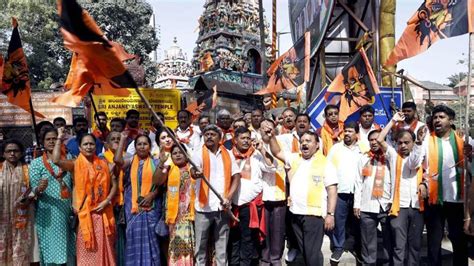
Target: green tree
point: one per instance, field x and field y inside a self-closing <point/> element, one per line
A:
<point x="128" y="24"/>
<point x="38" y="25"/>
<point x="454" y="79"/>
<point x="49" y="61"/>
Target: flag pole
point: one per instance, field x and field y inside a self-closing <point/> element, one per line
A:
<point x="181" y="148"/>
<point x="33" y="119"/>
<point x="466" y="123"/>
<point x="95" y="110"/>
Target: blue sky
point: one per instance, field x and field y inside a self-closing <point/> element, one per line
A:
<point x="178" y="18"/>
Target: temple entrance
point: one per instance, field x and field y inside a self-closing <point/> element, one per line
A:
<point x="255" y="61"/>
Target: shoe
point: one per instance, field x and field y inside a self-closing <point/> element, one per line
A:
<point x="291" y="255"/>
<point x="336" y="255"/>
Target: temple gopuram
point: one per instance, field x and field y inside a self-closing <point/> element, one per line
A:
<point x="174" y="70"/>
<point x="228" y="53"/>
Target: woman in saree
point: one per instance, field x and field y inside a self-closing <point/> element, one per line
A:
<point x="94" y="189"/>
<point x="15" y="213"/>
<point x="53" y="205"/>
<point x="180" y="198"/>
<point x="142" y="202"/>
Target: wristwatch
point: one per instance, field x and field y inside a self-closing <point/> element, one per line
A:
<point x="331" y="213"/>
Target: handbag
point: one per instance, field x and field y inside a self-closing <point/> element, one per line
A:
<point x="74" y="219"/>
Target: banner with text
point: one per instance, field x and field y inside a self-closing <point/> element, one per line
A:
<point x="166" y="101"/>
<point x="14" y="116"/>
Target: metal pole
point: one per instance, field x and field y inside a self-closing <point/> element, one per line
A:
<point x="33" y="119"/>
<point x="262" y="42"/>
<point x="274" y="37"/>
<point x="375" y="39"/>
<point x="180" y="146"/>
<point x="466" y="122"/>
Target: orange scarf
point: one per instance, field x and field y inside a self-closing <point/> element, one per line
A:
<point x="206" y="168"/>
<point x="118" y="199"/>
<point x="174" y="192"/>
<point x="285" y="130"/>
<point x="145" y="185"/>
<point x="92" y="180"/>
<point x="435" y="163"/>
<point x="224" y="134"/>
<point x="396" y="197"/>
<point x="377" y="160"/>
<point x="295" y="145"/>
<point x="187" y="139"/>
<point x="246" y="171"/>
<point x="330" y="136"/>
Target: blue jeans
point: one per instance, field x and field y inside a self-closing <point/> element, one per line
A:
<point x="344" y="220"/>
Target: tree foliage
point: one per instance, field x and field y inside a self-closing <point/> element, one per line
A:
<point x="47" y="58"/>
<point x="454" y="79"/>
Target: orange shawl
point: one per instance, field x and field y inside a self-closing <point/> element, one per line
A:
<point x="295" y="144"/>
<point x="396" y="197"/>
<point x="377" y="160"/>
<point x="146" y="183"/>
<point x="173" y="194"/>
<point x="118" y="199"/>
<point x="206" y="168"/>
<point x="435" y="187"/>
<point x="329" y="136"/>
<point x="246" y="172"/>
<point x="92" y="180"/>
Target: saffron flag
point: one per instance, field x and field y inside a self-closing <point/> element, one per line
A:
<point x="206" y="62"/>
<point x="291" y="69"/>
<point x="432" y="21"/>
<point x="205" y="102"/>
<point x="97" y="62"/>
<point x="15" y="73"/>
<point x="354" y="87"/>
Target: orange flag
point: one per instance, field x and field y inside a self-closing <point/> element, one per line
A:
<point x="97" y="62"/>
<point x="15" y="73"/>
<point x="205" y="102"/>
<point x="432" y="21"/>
<point x="206" y="62"/>
<point x="355" y="86"/>
<point x="291" y="69"/>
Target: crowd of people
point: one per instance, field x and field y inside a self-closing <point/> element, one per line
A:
<point x="125" y="195"/>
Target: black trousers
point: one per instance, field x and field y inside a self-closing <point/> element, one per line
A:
<point x="368" y="229"/>
<point x="275" y="215"/>
<point x="309" y="232"/>
<point x="435" y="217"/>
<point x="407" y="232"/>
<point x="243" y="247"/>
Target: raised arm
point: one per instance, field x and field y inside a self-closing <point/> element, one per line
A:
<point x="161" y="172"/>
<point x="267" y="131"/>
<point x="118" y="156"/>
<point x="66" y="165"/>
<point x="399" y="116"/>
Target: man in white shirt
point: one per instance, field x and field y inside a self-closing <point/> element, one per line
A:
<point x="366" y="125"/>
<point x="445" y="154"/>
<point x="344" y="157"/>
<point x="224" y="122"/>
<point x="288" y="121"/>
<point x="257" y="117"/>
<point x="185" y="132"/>
<point x="219" y="167"/>
<point x="246" y="236"/>
<point x="274" y="199"/>
<point x="313" y="194"/>
<point x="291" y="141"/>
<point x="203" y="122"/>
<point x="407" y="191"/>
<point x="372" y="201"/>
